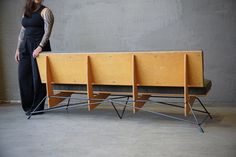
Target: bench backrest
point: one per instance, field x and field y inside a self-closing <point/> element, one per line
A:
<point x="152" y="68"/>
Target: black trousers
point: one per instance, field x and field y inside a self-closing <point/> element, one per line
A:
<point x="32" y="91"/>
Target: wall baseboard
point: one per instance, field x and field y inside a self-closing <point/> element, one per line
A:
<point x="9" y="101"/>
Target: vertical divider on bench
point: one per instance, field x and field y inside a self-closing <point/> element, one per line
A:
<point x="89" y="82"/>
<point x="188" y="100"/>
<point x="138" y="102"/>
<point x="93" y="101"/>
<point x="186" y="97"/>
<point x="49" y="79"/>
<point x="186" y="82"/>
<point x="134" y="83"/>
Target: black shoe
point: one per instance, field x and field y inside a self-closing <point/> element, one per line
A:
<point x="29" y="112"/>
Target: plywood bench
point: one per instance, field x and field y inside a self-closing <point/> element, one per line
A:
<point x="138" y="74"/>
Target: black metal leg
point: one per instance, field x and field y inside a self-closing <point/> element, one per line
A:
<point x="125" y="106"/>
<point x="36" y="107"/>
<point x="173" y="105"/>
<point x="196" y="120"/>
<point x="80" y="104"/>
<point x="192" y="110"/>
<point x="159" y="113"/>
<point x="68" y="103"/>
<point x="204" y="107"/>
<point x="118" y="114"/>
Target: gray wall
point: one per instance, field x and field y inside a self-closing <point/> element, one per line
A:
<point x="127" y="25"/>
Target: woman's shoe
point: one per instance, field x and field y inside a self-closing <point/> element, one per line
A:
<point x="29" y="112"/>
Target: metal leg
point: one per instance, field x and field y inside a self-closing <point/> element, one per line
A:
<point x="205" y="110"/>
<point x="159" y="113"/>
<point x="124" y="103"/>
<point x="204" y="107"/>
<point x="36" y="107"/>
<point x="196" y="122"/>
<point x="123" y="111"/>
<point x="173" y="105"/>
<point x="125" y="107"/>
<point x="80" y="104"/>
<point x="68" y="103"/>
<point x="195" y="117"/>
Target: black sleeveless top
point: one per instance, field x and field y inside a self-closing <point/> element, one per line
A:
<point x="34" y="27"/>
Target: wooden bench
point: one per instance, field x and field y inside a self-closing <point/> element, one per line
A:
<point x="140" y="75"/>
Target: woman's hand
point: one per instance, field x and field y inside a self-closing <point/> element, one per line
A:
<point x="17" y="56"/>
<point x="37" y="51"/>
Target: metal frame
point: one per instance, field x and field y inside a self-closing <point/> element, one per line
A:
<point x="117" y="100"/>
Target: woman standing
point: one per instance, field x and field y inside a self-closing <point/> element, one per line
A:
<point x="37" y="23"/>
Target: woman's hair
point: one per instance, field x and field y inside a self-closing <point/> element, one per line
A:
<point x="30" y="6"/>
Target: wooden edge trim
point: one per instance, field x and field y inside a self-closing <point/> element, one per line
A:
<point x="89" y="82"/>
<point x="186" y="92"/>
<point x="134" y="82"/>
<point x="48" y="82"/>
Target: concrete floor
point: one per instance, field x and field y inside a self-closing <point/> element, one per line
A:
<point x="101" y="134"/>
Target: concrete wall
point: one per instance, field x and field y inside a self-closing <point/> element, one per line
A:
<point x="127" y="25"/>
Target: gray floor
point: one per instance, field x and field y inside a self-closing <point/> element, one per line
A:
<point x="100" y="133"/>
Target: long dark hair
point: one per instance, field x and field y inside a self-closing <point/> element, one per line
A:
<point x="30" y="6"/>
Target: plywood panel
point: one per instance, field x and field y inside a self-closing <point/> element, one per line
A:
<point x="111" y="68"/>
<point x="167" y="69"/>
<point x="66" y="68"/>
<point x="41" y="61"/>
<point x="156" y="68"/>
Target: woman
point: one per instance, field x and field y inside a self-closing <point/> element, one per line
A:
<point x="37" y="23"/>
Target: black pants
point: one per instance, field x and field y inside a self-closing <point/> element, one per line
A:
<point x="32" y="91"/>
